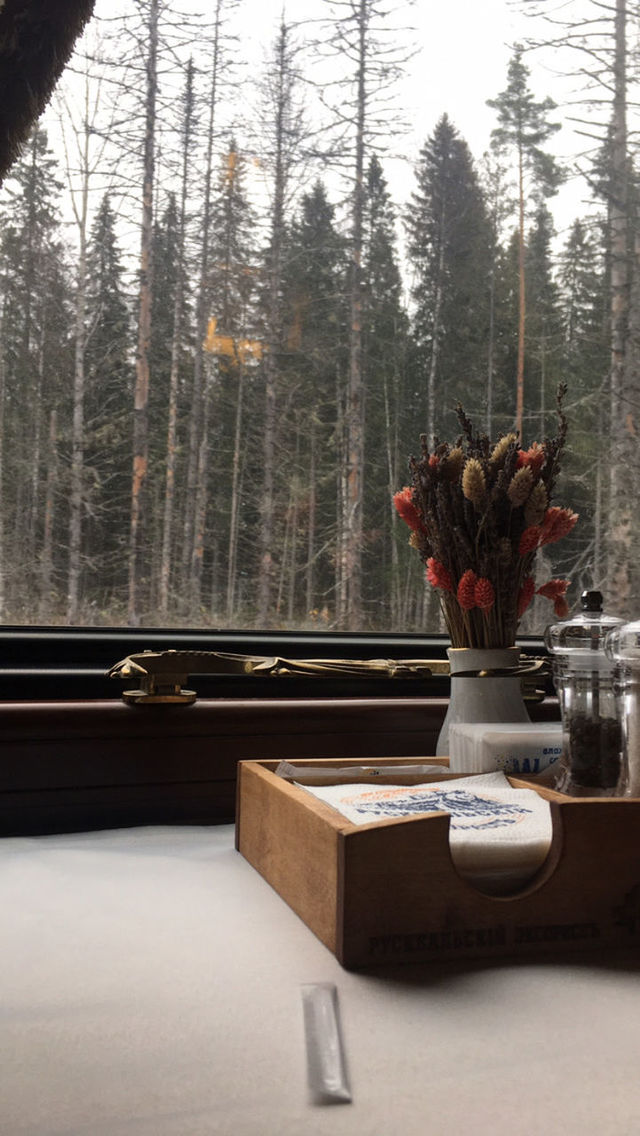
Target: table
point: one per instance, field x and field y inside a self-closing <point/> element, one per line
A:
<point x="151" y="986"/>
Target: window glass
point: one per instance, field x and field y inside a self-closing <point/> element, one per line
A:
<point x="251" y="253"/>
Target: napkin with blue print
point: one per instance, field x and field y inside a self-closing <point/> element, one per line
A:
<point x="499" y="836"/>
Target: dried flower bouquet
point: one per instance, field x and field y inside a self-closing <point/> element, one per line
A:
<point x="478" y="512"/>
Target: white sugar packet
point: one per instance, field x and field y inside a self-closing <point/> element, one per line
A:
<point x="499" y="836"/>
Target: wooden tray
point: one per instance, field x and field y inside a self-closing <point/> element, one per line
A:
<point x="389" y="892"/>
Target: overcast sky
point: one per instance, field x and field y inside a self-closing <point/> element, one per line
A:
<point x="462" y="50"/>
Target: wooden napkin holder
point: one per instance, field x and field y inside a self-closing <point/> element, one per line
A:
<point x="388" y="892"/>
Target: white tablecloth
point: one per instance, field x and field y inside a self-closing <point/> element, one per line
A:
<point x="150" y="986"/>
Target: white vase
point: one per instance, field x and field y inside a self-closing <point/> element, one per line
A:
<point x="491" y="699"/>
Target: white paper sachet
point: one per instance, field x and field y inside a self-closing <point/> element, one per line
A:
<point x="512" y="747"/>
<point x="499" y="836"/>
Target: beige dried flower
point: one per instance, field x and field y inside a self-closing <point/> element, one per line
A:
<point x="520" y="486"/>
<point x="536" y="506"/>
<point x="499" y="451"/>
<point x="473" y="483"/>
<point x="414" y="541"/>
<point x="453" y="464"/>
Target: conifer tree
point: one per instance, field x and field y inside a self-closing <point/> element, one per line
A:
<point x="450" y="250"/>
<point x="178" y="342"/>
<point x="384" y="355"/>
<point x="523" y="128"/>
<point x="584" y="298"/>
<point x="229" y="368"/>
<point x="282" y="131"/>
<point x="544" y="333"/>
<point x="109" y="387"/>
<point x="315" y="338"/>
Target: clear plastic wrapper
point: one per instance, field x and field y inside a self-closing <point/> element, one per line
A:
<point x="326" y="1067"/>
<point x="337" y="775"/>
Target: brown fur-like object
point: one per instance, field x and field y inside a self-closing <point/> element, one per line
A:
<point x="36" y="41"/>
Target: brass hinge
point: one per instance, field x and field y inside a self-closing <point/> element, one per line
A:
<point x="162" y="675"/>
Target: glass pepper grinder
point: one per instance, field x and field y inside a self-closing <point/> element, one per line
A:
<point x="591" y="761"/>
<point x="622" y="646"/>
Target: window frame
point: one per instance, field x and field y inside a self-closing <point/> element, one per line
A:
<point x="71" y="663"/>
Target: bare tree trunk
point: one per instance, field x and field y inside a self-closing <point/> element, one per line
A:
<point x="194" y="579"/>
<point x="598" y="568"/>
<point x="435" y="335"/>
<point x="176" y="346"/>
<point x="623" y="442"/>
<point x="311" y="521"/>
<point x="341" y="505"/>
<point x="282" y="97"/>
<point x="491" y="364"/>
<point x="355" y="406"/>
<point x="77" y="430"/>
<point x="232" y="557"/>
<point x="521" y="298"/>
<point x="141" y="396"/>
<point x="46" y="559"/>
<point x="295" y="509"/>
<point x="391" y="488"/>
<point x="2" y="422"/>
<point x="34" y="503"/>
<point x="198" y="397"/>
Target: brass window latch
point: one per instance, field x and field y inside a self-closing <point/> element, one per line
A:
<point x="162" y="675"/>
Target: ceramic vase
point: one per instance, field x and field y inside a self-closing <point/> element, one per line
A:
<point x="490" y="699"/>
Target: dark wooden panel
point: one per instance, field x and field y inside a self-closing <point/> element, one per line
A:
<point x="80" y="765"/>
<point x="116" y="806"/>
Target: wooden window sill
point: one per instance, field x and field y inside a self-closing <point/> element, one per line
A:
<point x="70" y="766"/>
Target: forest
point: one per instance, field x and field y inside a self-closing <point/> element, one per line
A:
<point x="221" y="337"/>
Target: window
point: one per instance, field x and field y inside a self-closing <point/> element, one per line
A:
<point x="236" y="286"/>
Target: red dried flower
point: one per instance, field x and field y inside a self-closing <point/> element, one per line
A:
<point x="534" y="457"/>
<point x="525" y="595"/>
<point x="466" y="592"/>
<point x="438" y="575"/>
<point x="484" y="594"/>
<point x="553" y="589"/>
<point x="561" y="608"/>
<point x="556" y="524"/>
<point x="403" y="501"/>
<point x="530" y="539"/>
<point x="434" y="461"/>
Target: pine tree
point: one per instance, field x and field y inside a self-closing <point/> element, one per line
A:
<point x="109" y="382"/>
<point x="584" y="298"/>
<point x="229" y="369"/>
<point x="523" y="129"/>
<point x="506" y="316"/>
<point x="165" y="242"/>
<point x="315" y="338"/>
<point x="450" y="250"/>
<point x="384" y="355"/>
<point x="282" y="131"/>
<point x="544" y="339"/>
<point x="178" y="343"/>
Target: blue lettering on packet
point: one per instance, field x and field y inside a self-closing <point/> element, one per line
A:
<point x="529" y="764"/>
<point x="467" y="808"/>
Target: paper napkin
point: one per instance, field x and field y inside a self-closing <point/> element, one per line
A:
<point x="499" y="836"/>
